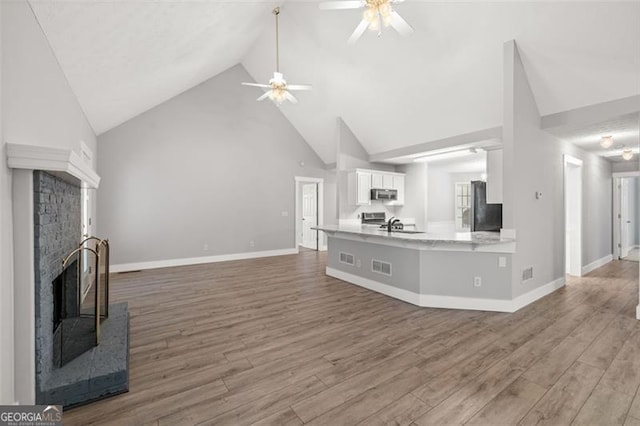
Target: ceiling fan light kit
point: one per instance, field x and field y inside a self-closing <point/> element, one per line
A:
<point x="279" y="90"/>
<point x="377" y="14"/>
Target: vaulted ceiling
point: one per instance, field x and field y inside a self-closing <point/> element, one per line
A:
<point x="122" y="58"/>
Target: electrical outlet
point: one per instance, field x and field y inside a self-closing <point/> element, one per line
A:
<point x="477" y="281"/>
<point x="285" y="214"/>
<point x="252" y="243"/>
<point x="358" y="263"/>
<point x="205" y="247"/>
<point x="502" y="262"/>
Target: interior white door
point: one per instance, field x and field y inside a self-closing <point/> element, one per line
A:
<point x="309" y="215"/>
<point x="625" y="220"/>
<point x="573" y="216"/>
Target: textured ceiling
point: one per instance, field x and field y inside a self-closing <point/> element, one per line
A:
<point x="124" y="57"/>
<point x="625" y="131"/>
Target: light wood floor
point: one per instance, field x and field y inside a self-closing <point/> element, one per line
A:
<point x="274" y="341"/>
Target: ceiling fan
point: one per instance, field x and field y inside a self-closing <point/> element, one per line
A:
<point x="377" y="14"/>
<point x="279" y="89"/>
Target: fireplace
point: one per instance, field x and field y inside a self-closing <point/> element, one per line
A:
<point x="74" y="330"/>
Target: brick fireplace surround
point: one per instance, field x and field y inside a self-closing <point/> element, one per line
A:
<point x="47" y="226"/>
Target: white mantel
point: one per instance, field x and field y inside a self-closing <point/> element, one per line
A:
<point x="23" y="160"/>
<point x="64" y="163"/>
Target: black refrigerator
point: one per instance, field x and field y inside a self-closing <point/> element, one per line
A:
<point x="484" y="217"/>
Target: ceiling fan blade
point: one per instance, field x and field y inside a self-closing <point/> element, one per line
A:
<point x="299" y="87"/>
<point x="360" y="29"/>
<point x="290" y="97"/>
<point x="337" y="5"/>
<point x="263" y="97"/>
<point x="400" y="25"/>
<point x="256" y="85"/>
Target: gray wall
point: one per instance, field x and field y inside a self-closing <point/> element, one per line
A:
<point x="534" y="162"/>
<point x="38" y="108"/>
<point x="625" y="166"/>
<point x="210" y="166"/>
<point x="352" y="155"/>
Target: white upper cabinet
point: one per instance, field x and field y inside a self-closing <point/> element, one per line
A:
<point x="494" y="176"/>
<point x="359" y="188"/>
<point x="376" y="180"/>
<point x="387" y="181"/>
<point x="398" y="184"/>
<point x="361" y="181"/>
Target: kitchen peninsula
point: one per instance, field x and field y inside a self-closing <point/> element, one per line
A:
<point x="468" y="270"/>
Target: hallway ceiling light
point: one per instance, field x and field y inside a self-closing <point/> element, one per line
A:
<point x="627" y="153"/>
<point x="377" y="14"/>
<point x="280" y="90"/>
<point x="606" y="141"/>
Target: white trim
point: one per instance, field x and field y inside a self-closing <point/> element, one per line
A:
<point x="124" y="267"/>
<point x="24" y="316"/>
<point x="322" y="240"/>
<point x="33" y="157"/>
<point x="448" y="302"/>
<point x="537" y="293"/>
<point x="625" y="174"/>
<point x="638" y="312"/>
<point x="575" y="261"/>
<point x="596" y="264"/>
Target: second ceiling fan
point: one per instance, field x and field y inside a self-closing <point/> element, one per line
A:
<point x="377" y="14"/>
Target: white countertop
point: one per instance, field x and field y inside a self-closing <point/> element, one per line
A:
<point x="474" y="238"/>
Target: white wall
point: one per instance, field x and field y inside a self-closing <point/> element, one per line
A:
<point x="533" y="161"/>
<point x="415" y="188"/>
<point x="210" y="166"/>
<point x="38" y="108"/>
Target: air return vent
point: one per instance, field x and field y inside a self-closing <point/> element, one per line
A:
<point x="346" y="258"/>
<point x="381" y="267"/>
<point x="527" y="274"/>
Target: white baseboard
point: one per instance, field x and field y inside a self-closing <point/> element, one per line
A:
<point x="596" y="264"/>
<point x="448" y="302"/>
<point x="537" y="293"/>
<point x="123" y="267"/>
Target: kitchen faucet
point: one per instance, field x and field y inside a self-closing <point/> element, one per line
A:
<point x="391" y="222"/>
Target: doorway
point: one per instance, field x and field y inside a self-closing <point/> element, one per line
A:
<point x="626" y="213"/>
<point x="573" y="215"/>
<point x="309" y="213"/>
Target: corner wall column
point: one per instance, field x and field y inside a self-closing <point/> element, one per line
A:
<point x="24" y="287"/>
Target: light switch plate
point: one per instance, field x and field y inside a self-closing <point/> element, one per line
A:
<point x="502" y="262"/>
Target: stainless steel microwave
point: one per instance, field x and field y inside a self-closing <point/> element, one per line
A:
<point x="384" y="194"/>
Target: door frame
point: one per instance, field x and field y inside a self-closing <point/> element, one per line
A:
<point x="575" y="262"/>
<point x="299" y="180"/>
<point x="617" y="204"/>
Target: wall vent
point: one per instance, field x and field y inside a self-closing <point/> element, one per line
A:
<point x="527" y="274"/>
<point x="346" y="258"/>
<point x="381" y="267"/>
